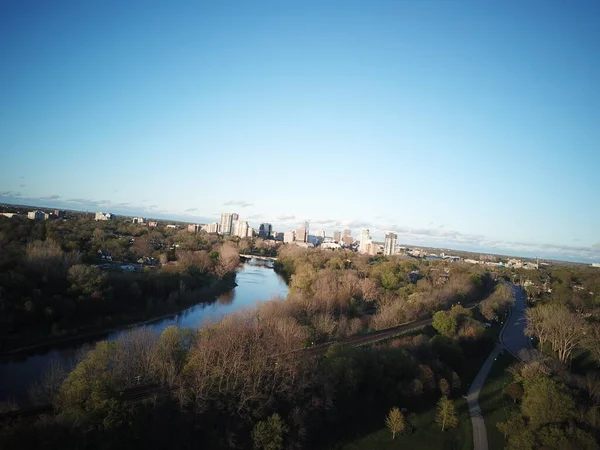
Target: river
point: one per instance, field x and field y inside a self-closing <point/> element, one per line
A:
<point x="256" y="282"/>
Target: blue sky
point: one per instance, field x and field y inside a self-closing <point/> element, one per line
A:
<point x="456" y="124"/>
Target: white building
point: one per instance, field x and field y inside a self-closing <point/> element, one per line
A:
<point x="212" y="227"/>
<point x="171" y="226"/>
<point x="320" y="234"/>
<point x="251" y="232"/>
<point x="226" y="223"/>
<point x="139" y="220"/>
<point x="104" y="216"/>
<point x="389" y="247"/>
<point x="330" y="245"/>
<point x="595" y="264"/>
<point x="36" y="215"/>
<point x="365" y="240"/>
<point x="240" y="228"/>
<point x="289" y="237"/>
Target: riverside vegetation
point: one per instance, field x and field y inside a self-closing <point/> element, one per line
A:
<point x="51" y="284"/>
<point x="241" y="383"/>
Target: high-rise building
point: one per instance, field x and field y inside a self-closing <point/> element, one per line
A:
<point x="212" y="227"/>
<point x="60" y="213"/>
<point x="264" y="231"/>
<point x="302" y="233"/>
<point x="347" y="232"/>
<point x="389" y="247"/>
<point x="235" y="216"/>
<point x="365" y="240"/>
<point x="35" y="215"/>
<point x="289" y="237"/>
<point x="226" y="223"/>
<point x="104" y="216"/>
<point x="320" y="234"/>
<point x="337" y="236"/>
<point x="194" y="227"/>
<point x="240" y="228"/>
<point x="250" y="232"/>
<point x="347" y="240"/>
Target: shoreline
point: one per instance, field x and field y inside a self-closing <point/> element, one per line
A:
<point x="221" y="286"/>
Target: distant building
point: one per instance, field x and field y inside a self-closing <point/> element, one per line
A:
<point x="251" y="232"/>
<point x="105" y="216"/>
<point x="595" y="264"/>
<point x="60" y="213"/>
<point x="277" y="235"/>
<point x="347" y="232"/>
<point x="138" y="220"/>
<point x="347" y="241"/>
<point x="240" y="228"/>
<point x="264" y="230"/>
<point x="49" y="216"/>
<point x="194" y="228"/>
<point x="235" y="216"/>
<point x="226" y="223"/>
<point x="302" y="233"/>
<point x="320" y="234"/>
<point x="153" y="223"/>
<point x="9" y="215"/>
<point x="389" y="246"/>
<point x="372" y="248"/>
<point x="337" y="236"/>
<point x="330" y="245"/>
<point x="289" y="237"/>
<point x="212" y="227"/>
<point x="35" y="215"/>
<point x="171" y="226"/>
<point x="365" y="240"/>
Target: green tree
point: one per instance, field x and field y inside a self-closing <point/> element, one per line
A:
<point x="546" y="402"/>
<point x="268" y="434"/>
<point x="444" y="323"/>
<point x="395" y="422"/>
<point x="446" y="415"/>
<point x="85" y="279"/>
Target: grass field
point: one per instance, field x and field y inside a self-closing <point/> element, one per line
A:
<point x="426" y="434"/>
<point x="492" y="401"/>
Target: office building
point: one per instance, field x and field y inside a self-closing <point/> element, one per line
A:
<point x="264" y="231"/>
<point x="138" y="220"/>
<point x="250" y="232"/>
<point x="347" y="232"/>
<point x="348" y="240"/>
<point x="212" y="227"/>
<point x="240" y="228"/>
<point x="337" y="236"/>
<point x="35" y="215"/>
<point x="104" y="216"/>
<point x="289" y="237"/>
<point x="60" y="213"/>
<point x="389" y="247"/>
<point x="302" y="233"/>
<point x="365" y="240"/>
<point x="194" y="228"/>
<point x="226" y="223"/>
<point x="235" y="216"/>
<point x="320" y="234"/>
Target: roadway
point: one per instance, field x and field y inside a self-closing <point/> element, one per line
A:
<point x="513" y="339"/>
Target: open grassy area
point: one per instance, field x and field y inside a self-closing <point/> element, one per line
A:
<point x="426" y="434"/>
<point x="492" y="401"/>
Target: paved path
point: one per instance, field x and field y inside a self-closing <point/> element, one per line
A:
<point x="513" y="334"/>
<point x="512" y="337"/>
<point x="480" y="441"/>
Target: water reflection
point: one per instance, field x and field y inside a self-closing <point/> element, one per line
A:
<point x="256" y="282"/>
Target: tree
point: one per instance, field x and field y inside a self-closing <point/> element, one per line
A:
<point x="514" y="391"/>
<point x="546" y="402"/>
<point x="444" y="387"/>
<point x="444" y="323"/>
<point x="395" y="422"/>
<point x="557" y="325"/>
<point x="268" y="434"/>
<point x="85" y="279"/>
<point x="446" y="413"/>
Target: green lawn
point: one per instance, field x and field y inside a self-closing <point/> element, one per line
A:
<point x="492" y="401"/>
<point x="425" y="436"/>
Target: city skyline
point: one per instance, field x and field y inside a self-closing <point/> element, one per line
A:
<point x="409" y="117"/>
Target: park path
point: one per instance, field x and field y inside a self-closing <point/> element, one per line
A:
<point x="512" y="338"/>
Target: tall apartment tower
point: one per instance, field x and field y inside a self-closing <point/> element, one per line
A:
<point x="389" y="247"/>
<point x="226" y="223"/>
<point x="265" y="229"/>
<point x="365" y="240"/>
<point x="337" y="236"/>
<point x="302" y="233"/>
<point x="347" y="232"/>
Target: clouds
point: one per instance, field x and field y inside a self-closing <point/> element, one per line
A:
<point x="51" y="197"/>
<point x="286" y="217"/>
<point x="191" y="210"/>
<point x="240" y="203"/>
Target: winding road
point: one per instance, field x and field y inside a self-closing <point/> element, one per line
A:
<point x="513" y="339"/>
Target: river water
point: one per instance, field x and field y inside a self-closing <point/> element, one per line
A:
<point x="256" y="282"/>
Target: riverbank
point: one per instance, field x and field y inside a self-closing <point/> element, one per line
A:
<point x="43" y="342"/>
